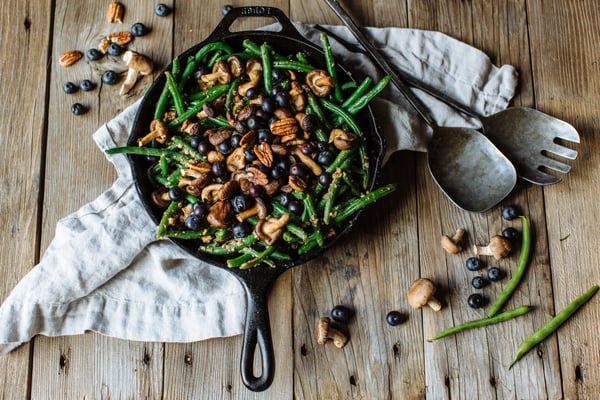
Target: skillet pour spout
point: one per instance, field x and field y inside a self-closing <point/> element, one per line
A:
<point x="256" y="281"/>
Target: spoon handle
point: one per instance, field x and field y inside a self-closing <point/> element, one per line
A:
<point x="380" y="60"/>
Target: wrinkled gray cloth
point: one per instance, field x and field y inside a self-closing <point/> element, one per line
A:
<point x="105" y="271"/>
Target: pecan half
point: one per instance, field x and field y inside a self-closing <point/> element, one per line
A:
<point x="284" y="127"/>
<point x="297" y="183"/>
<point x="257" y="176"/>
<point x="264" y="154"/>
<point x="120" y="37"/>
<point x="69" y="58"/>
<point x="115" y="12"/>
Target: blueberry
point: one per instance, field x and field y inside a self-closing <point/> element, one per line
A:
<point x="94" y="54"/>
<point x="176" y="193"/>
<point x="341" y="313"/>
<point x="296" y="206"/>
<point x="268" y="105"/>
<point x="195" y="141"/>
<point x="510" y="233"/>
<point x="285" y="199"/>
<point x="225" y="147"/>
<point x="226" y="9"/>
<point x="198" y="72"/>
<point x="256" y="191"/>
<point x="325" y="157"/>
<point x="473" y="264"/>
<point x="139" y="29"/>
<point x="394" y="318"/>
<point x="204" y="147"/>
<point x="234" y="140"/>
<point x="325" y="179"/>
<point x="219" y="169"/>
<point x="78" y="109"/>
<point x="278" y="172"/>
<point x="478" y="282"/>
<point x="321" y="145"/>
<point x="110" y="77"/>
<point x="86" y="85"/>
<point x="241" y="229"/>
<point x="115" y="49"/>
<point x="241" y="202"/>
<point x="278" y="74"/>
<point x="510" y="212"/>
<point x="193" y="223"/>
<point x="200" y="210"/>
<point x="251" y="93"/>
<point x="307" y="149"/>
<point x="264" y="135"/>
<point x="254" y="123"/>
<point x="475" y="300"/>
<point x="250" y="155"/>
<point x="162" y="10"/>
<point x="69" y="87"/>
<point x="282" y="98"/>
<point x="495" y="274"/>
<point x="298" y="169"/>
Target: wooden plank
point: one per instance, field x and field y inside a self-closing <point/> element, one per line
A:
<point x="368" y="272"/>
<point x="564" y="43"/>
<point x="85" y="366"/>
<point x="222" y="379"/>
<point x="450" y="361"/>
<point x="26" y="29"/>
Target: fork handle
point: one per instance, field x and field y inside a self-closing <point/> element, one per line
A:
<point x="383" y="64"/>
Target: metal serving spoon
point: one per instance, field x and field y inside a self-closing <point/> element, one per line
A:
<point x="465" y="164"/>
<point x="528" y="137"/>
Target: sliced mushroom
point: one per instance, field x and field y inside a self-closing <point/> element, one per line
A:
<point x="138" y="64"/>
<point x="297" y="96"/>
<point x="342" y="140"/>
<point x="254" y="72"/>
<point x="259" y="209"/>
<point x="220" y="214"/>
<point x="220" y="73"/>
<point x="236" y="66"/>
<point x="269" y="230"/>
<point x="158" y="132"/>
<point x="161" y="198"/>
<point x="319" y="82"/>
<point x="207" y="111"/>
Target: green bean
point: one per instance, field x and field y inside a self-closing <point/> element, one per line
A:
<point x="522" y="263"/>
<point x="149" y="151"/>
<point x="293" y="65"/>
<point x="231" y="95"/>
<point x="187" y="72"/>
<point x="360" y="90"/>
<point x="364" y="201"/>
<point x="251" y="47"/>
<point x="164" y="221"/>
<point x="313" y="218"/>
<point x="259" y="259"/>
<point x="538" y="336"/>
<point x="331" y="68"/>
<point x="300" y="56"/>
<point x="216" y="90"/>
<point x="175" y="94"/>
<point x="316" y="108"/>
<point x="330" y="195"/>
<point x="478" y="323"/>
<point x="198" y="106"/>
<point x="349" y="85"/>
<point x="215" y="57"/>
<point x="201" y="54"/>
<point x="164" y="95"/>
<point x="265" y="53"/>
<point x="361" y="102"/>
<point x="216" y="121"/>
<point x="230" y="247"/>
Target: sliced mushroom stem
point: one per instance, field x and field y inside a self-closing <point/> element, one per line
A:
<point x="452" y="244"/>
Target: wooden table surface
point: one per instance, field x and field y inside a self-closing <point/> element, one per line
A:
<point x="50" y="167"/>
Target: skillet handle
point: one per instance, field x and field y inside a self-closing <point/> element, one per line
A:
<point x="287" y="28"/>
<point x="257" y="333"/>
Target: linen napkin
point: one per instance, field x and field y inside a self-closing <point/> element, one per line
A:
<point x="105" y="271"/>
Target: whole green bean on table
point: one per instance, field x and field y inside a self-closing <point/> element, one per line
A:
<point x="258" y="155"/>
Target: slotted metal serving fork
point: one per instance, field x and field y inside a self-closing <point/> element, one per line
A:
<point x="529" y="138"/>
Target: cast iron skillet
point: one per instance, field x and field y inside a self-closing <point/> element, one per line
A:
<point x="256" y="281"/>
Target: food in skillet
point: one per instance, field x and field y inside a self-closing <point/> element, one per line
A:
<point x="258" y="156"/>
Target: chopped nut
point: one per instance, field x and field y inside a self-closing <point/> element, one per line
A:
<point x="257" y="176"/>
<point x="236" y="160"/>
<point x="69" y="58"/>
<point x="191" y="128"/>
<point x="104" y="45"/>
<point x="264" y="154"/>
<point x="121" y="38"/>
<point x="285" y="127"/>
<point x="115" y="12"/>
<point x="297" y="183"/>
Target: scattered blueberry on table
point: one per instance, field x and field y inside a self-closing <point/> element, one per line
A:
<point x="341" y="313"/>
<point x="78" y="109"/>
<point x="139" y="29"/>
<point x="510" y="233"/>
<point x="475" y="300"/>
<point x="162" y="10"/>
<point x="394" y="318"/>
<point x="495" y="274"/>
<point x="86" y="85"/>
<point x="115" y="49"/>
<point x="94" y="54"/>
<point x="478" y="282"/>
<point x="510" y="212"/>
<point x="473" y="264"/>
<point x="110" y="77"/>
<point x="69" y="87"/>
